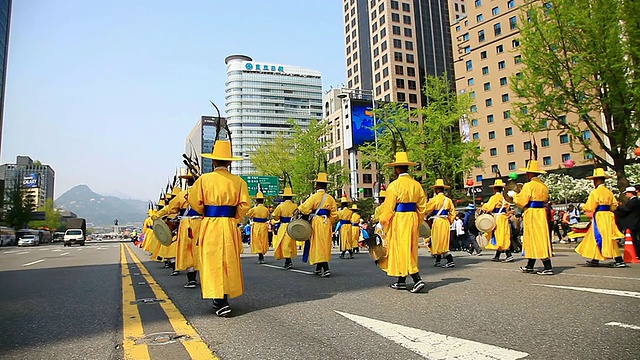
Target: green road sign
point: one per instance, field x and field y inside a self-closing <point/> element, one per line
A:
<point x="270" y="184"/>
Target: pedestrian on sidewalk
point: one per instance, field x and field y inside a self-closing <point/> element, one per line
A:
<point x="628" y="216"/>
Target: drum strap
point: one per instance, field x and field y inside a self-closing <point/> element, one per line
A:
<point x="324" y="198"/>
<point x="442" y="211"/>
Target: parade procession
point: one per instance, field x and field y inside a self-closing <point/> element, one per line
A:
<point x="196" y="226"/>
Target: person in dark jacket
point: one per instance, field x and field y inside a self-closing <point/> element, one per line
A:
<point x="628" y="216"/>
<point x="471" y="231"/>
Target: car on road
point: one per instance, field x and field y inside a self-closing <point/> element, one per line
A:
<point x="57" y="236"/>
<point x="29" y="240"/>
<point x="74" y="236"/>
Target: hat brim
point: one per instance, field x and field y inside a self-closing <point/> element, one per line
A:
<point x="321" y="181"/>
<point x="212" y="157"/>
<point x="405" y="163"/>
<point x="599" y="177"/>
<point x="440" y="186"/>
<point x="495" y="186"/>
<point x="288" y="195"/>
<point x="532" y="171"/>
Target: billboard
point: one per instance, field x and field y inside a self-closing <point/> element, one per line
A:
<point x="362" y="123"/>
<point x="30" y="181"/>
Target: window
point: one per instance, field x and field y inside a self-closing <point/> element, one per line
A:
<point x="564" y="138"/>
<point x="394" y="5"/>
<point x="381" y="7"/>
<point x="383" y="32"/>
<point x="515" y="43"/>
<point x="458" y="28"/>
<point x="465" y="37"/>
<point x="410" y="58"/>
<point x="503" y="81"/>
<point x="382" y="21"/>
<point x="474" y="108"/>
<point x="385" y="59"/>
<point x="474" y="122"/>
<point x="408" y="32"/>
<point x="406" y="19"/>
<point x="385" y="72"/>
<point x="510" y="149"/>
<point x="397" y="43"/>
<point x="481" y="35"/>
<point x="545" y="142"/>
<point x="408" y="45"/>
<point x="517" y="59"/>
<point x="527" y="145"/>
<point x="473" y="94"/>
<point x="476" y="136"/>
<point x="563" y="119"/>
<point x="494" y="168"/>
<point x="493" y="152"/>
<point x="492" y="135"/>
<point x="395" y="17"/>
<point x="479" y="18"/>
<point x="502" y="65"/>
<point x="376" y="64"/>
<point x="495" y="10"/>
<point x="497" y="29"/>
<point x="412" y="84"/>
<point x="386" y="85"/>
<point x="470" y="81"/>
<point x="383" y="46"/>
<point x="586" y="135"/>
<point x="378" y="90"/>
<point x="376" y="52"/>
<point x="546" y="161"/>
<point x="511" y="4"/>
<point x="505" y="98"/>
<point x="499" y="49"/>
<point x="400" y="83"/>
<point x="367" y="178"/>
<point x="478" y="3"/>
<point x="588" y="156"/>
<point x="406" y="7"/>
<point x="488" y="102"/>
<point x="411" y="71"/>
<point x="489" y="118"/>
<point x="374" y="14"/>
<point x="485" y="70"/>
<point x="397" y="56"/>
<point x="506" y="114"/>
<point x="467" y="49"/>
<point x="513" y="23"/>
<point x="508" y="131"/>
<point x="401" y="97"/>
<point x="375" y="39"/>
<point x="483" y="54"/>
<point x="512" y="165"/>
<point x="396" y="30"/>
<point x="487" y="86"/>
<point x="399" y="70"/>
<point x="413" y="98"/>
<point x="374" y="26"/>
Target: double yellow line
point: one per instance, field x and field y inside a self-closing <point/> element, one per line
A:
<point x="132" y="323"/>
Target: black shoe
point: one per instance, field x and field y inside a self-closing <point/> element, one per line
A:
<point x="619" y="265"/>
<point x="527" y="270"/>
<point x="261" y="261"/>
<point x="351" y="257"/>
<point x="508" y="259"/>
<point x="593" y="263"/>
<point x="545" y="272"/>
<point x="325" y="274"/>
<point x="288" y="266"/>
<point x="190" y="285"/>
<point x="495" y="259"/>
<point x="417" y="286"/>
<point x="399" y="286"/>
<point x="341" y="256"/>
<point x="223" y="311"/>
<point x="449" y="265"/>
<point x="317" y="272"/>
<point x="437" y="264"/>
<point x="175" y="273"/>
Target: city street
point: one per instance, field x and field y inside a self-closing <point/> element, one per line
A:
<point x="80" y="303"/>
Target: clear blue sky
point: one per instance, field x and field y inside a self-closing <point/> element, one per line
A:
<point x="106" y="91"/>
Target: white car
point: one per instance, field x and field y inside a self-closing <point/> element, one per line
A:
<point x="28" y="240"/>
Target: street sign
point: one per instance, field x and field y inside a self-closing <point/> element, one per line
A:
<point x="270" y="184"/>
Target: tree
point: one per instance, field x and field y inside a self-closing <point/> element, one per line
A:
<point x="18" y="206"/>
<point x="582" y="72"/>
<point x="436" y="143"/>
<point x="302" y="155"/>
<point x="52" y="218"/>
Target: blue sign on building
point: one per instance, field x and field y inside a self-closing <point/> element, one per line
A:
<point x="30" y="181"/>
<point x="250" y="66"/>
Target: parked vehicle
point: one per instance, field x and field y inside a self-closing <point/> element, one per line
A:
<point x="22" y="232"/>
<point x="58" y="236"/>
<point x="7" y="236"/>
<point x="44" y="236"/>
<point x="76" y="232"/>
<point x="29" y="240"/>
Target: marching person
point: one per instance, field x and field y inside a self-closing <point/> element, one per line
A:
<point x="188" y="231"/>
<point x="259" y="216"/>
<point x="223" y="199"/>
<point x="440" y="209"/>
<point x="355" y="230"/>
<point x="401" y="215"/>
<point x="284" y="247"/>
<point x="500" y="237"/>
<point x="600" y="242"/>
<point x="376" y="213"/>
<point x="471" y="230"/>
<point x="320" y="208"/>
<point x="533" y="198"/>
<point x="344" y="230"/>
<point x="173" y="210"/>
<point x="628" y="216"/>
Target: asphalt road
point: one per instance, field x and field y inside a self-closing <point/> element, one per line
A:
<point x="70" y="305"/>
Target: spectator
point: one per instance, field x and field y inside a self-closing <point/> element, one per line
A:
<point x="247" y="233"/>
<point x="459" y="232"/>
<point x="628" y="216"/>
<point x="574" y="215"/>
<point x="471" y="231"/>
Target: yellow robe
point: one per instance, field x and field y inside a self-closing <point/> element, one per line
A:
<point x="536" y="243"/>
<point x="345" y="229"/>
<point x="500" y="237"/>
<point x="220" y="241"/>
<point x="187" y="237"/>
<point x="172" y="210"/>
<point x="401" y="228"/>
<point x="147" y="226"/>
<point x="284" y="247"/>
<point x="440" y="230"/>
<point x="259" y="230"/>
<point x="606" y="224"/>
<point x="376" y="213"/>
<point x="355" y="230"/>
<point x="322" y="226"/>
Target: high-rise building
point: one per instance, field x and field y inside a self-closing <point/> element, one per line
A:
<point x="261" y="97"/>
<point x="200" y="141"/>
<point x="485" y="44"/>
<point x="5" y="22"/>
<point x="36" y="178"/>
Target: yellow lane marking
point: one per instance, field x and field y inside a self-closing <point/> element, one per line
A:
<point x="131" y="321"/>
<point x="195" y="346"/>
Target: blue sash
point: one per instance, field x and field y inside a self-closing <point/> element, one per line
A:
<point x="498" y="211"/>
<point x="343" y="222"/>
<point x="323" y="212"/>
<point x="406" y="207"/>
<point x="596" y="231"/>
<point x="536" y="204"/>
<point x="260" y="220"/>
<point x="285" y="220"/>
<point x="442" y="213"/>
<point x="192" y="212"/>
<point x="220" y="210"/>
<point x="355" y="224"/>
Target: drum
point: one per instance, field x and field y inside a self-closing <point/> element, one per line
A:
<point x="299" y="230"/>
<point x="377" y="248"/>
<point x="425" y="230"/>
<point x="485" y="222"/>
<point x="164" y="230"/>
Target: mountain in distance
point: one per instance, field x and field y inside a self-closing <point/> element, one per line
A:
<point x="102" y="210"/>
<point x="121" y="195"/>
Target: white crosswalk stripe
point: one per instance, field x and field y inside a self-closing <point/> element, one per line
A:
<point x="632" y="294"/>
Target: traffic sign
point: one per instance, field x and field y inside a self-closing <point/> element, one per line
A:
<point x="270" y="184"/>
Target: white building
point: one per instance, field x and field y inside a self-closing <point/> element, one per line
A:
<point x="260" y="99"/>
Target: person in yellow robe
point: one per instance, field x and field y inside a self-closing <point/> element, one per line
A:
<point x="284" y="247"/>
<point x="355" y="228"/>
<point x="223" y="199"/>
<point x="152" y="243"/>
<point x="188" y="231"/>
<point x="173" y="210"/>
<point x="322" y="210"/>
<point x="259" y="216"/>
<point x="600" y="242"/>
<point x="401" y="215"/>
<point x="160" y="249"/>
<point x="376" y="212"/>
<point x="147" y="226"/>
<point x="441" y="211"/>
<point x="344" y="228"/>
<point x="500" y="237"/>
<point x="535" y="240"/>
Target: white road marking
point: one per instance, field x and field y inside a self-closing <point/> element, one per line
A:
<point x="433" y="345"/>
<point x="22" y="253"/>
<point x="565" y="274"/>
<point x="57" y="250"/>
<point x="10" y="252"/>
<point x="79" y="249"/>
<point x="294" y="270"/>
<point x="33" y="262"/>
<point x="632" y="294"/>
<point x="64" y="254"/>
<point x="627" y="326"/>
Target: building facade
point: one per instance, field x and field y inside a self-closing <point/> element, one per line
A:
<point x="486" y="45"/>
<point x="261" y="98"/>
<point x="5" y="23"/>
<point x="200" y="140"/>
<point x="36" y="178"/>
